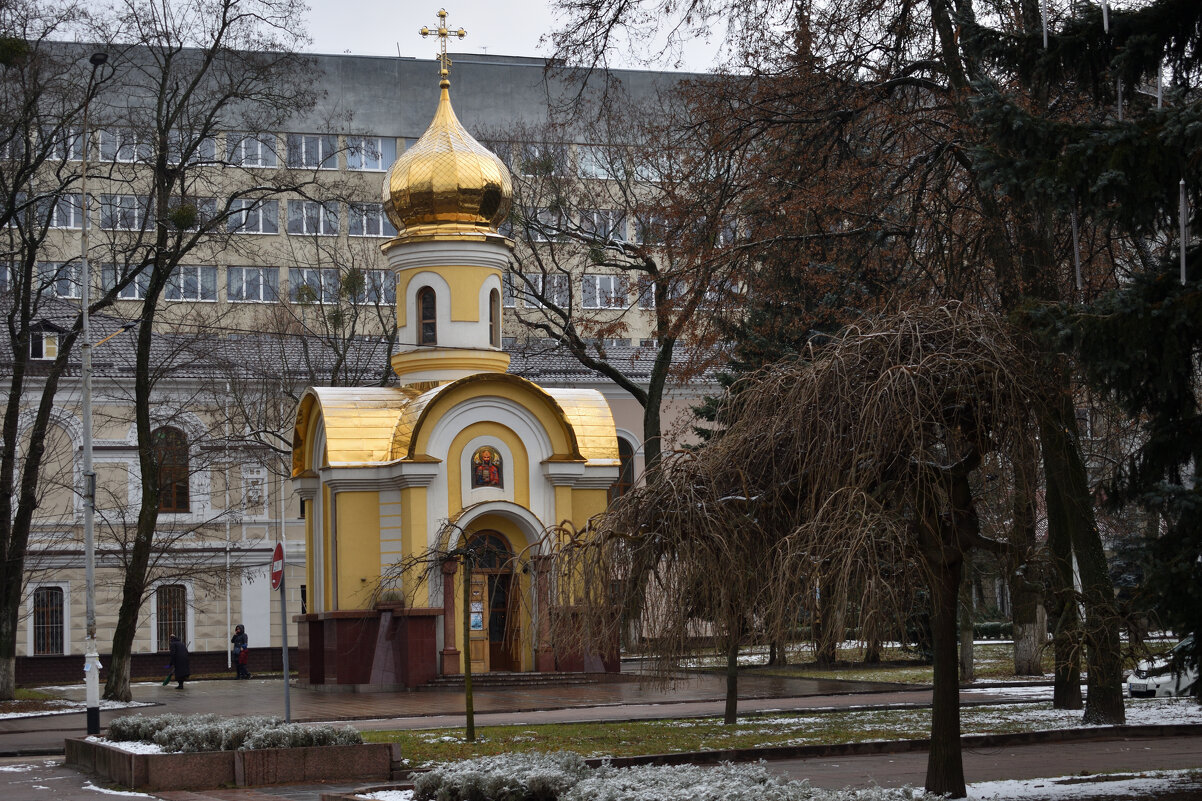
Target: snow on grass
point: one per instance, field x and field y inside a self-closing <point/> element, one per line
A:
<point x="65" y="707"/>
<point x="891" y="724"/>
<point x="1062" y="788"/>
<point x="130" y="746"/>
<point x="1151" y="784"/>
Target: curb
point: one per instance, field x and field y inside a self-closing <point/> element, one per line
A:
<point x="769" y="753"/>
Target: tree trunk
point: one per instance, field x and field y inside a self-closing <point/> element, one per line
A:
<point x="1025" y="589"/>
<point x="1062" y="457"/>
<point x="469" y="705"/>
<point x="828" y="628"/>
<point x="945" y="766"/>
<point x="133" y="588"/>
<point x="1066" y="634"/>
<point x="967" y="671"/>
<point x="730" y="715"/>
<point x="16" y="525"/>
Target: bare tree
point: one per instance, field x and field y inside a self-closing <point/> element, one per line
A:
<point x="635" y="230"/>
<point x="46" y="87"/>
<point x="892" y="106"/>
<point x="191" y="70"/>
<point x="859" y="468"/>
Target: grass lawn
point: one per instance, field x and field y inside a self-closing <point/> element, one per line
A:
<point x="629" y="738"/>
<point x="30" y="701"/>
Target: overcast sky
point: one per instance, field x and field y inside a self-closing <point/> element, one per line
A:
<point x="500" y="27"/>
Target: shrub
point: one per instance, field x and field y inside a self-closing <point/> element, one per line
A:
<point x="177" y="733"/>
<point x="292" y="735"/>
<point x="505" y="777"/>
<point x="993" y="630"/>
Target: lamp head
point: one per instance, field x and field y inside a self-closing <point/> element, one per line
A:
<point x="99" y="58"/>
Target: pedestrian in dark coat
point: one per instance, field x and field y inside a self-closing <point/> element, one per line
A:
<point x="179" y="661"/>
<point x="241" y="655"/>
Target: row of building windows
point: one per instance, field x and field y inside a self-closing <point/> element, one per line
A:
<point x="327" y="285"/>
<point x="597" y="291"/>
<point x="235" y="148"/>
<point x="198" y="282"/>
<point x="360" y="153"/>
<point x="247" y="216"/>
<point x="611" y="225"/>
<point x="50" y="617"/>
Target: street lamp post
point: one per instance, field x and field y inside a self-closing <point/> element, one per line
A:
<point x="91" y="663"/>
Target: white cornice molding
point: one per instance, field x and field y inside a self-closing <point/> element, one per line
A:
<point x="397" y="475"/>
<point x="427" y="255"/>
<point x="579" y="475"/>
<point x="306" y="487"/>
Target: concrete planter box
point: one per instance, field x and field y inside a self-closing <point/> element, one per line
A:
<point x="209" y="769"/>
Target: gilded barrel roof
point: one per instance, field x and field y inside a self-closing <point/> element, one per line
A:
<point x="359" y="423"/>
<point x="591" y="419"/>
<point x="375" y="425"/>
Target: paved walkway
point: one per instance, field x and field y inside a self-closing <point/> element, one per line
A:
<point x="31" y="778"/>
<point x="691" y="696"/>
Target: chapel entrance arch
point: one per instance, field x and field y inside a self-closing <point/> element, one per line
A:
<point x="496" y="609"/>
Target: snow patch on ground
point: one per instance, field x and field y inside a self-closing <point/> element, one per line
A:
<point x="106" y="791"/>
<point x="133" y="747"/>
<point x="15" y="768"/>
<point x="1152" y="784"/>
<point x="390" y="795"/>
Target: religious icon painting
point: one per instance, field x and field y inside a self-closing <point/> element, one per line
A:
<point x="486" y="468"/>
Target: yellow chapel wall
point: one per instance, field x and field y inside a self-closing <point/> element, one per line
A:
<point x="465" y="282"/>
<point x="358" y="535"/>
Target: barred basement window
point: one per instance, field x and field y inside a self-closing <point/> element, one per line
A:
<point x="48" y="621"/>
<point x="171" y="614"/>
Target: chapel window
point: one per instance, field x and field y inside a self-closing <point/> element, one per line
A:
<point x="427" y="318"/>
<point x="494" y="318"/>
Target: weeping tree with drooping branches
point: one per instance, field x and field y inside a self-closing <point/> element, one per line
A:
<point x="858" y="470"/>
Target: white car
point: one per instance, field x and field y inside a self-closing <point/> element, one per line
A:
<point x="1156" y="678"/>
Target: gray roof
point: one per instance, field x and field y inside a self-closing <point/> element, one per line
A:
<point x="299" y="359"/>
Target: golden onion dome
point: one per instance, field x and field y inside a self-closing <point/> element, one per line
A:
<point x="447" y="182"/>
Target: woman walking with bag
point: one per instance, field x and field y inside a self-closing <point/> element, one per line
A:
<point x="241" y="654"/>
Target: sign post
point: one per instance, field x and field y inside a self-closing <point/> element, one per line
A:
<point x="277" y="583"/>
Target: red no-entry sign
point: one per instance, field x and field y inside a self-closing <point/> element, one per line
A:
<point x="277" y="566"/>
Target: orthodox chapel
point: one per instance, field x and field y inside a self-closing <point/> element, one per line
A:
<point x="460" y="453"/>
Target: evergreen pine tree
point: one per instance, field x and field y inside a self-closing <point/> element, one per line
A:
<point x="1115" y="160"/>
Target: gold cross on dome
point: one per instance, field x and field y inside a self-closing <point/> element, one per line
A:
<point x="443" y="34"/>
